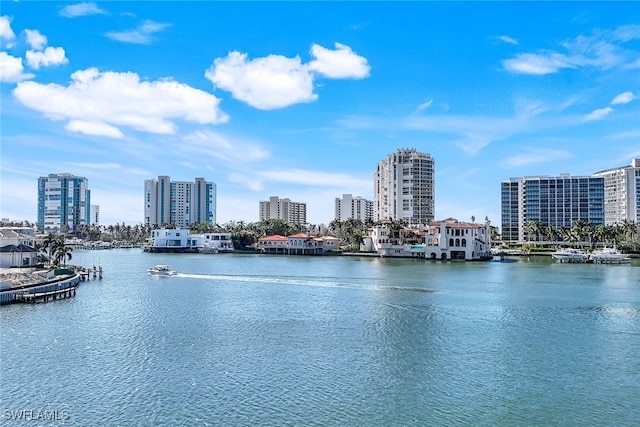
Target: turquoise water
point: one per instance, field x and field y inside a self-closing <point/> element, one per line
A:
<point x="245" y="340"/>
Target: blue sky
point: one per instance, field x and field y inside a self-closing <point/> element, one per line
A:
<point x="301" y="99"/>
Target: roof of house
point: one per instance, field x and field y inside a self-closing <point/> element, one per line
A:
<point x="274" y="238"/>
<point x="18" y="248"/>
<point x="299" y="236"/>
<point x="454" y="223"/>
<point x="326" y="238"/>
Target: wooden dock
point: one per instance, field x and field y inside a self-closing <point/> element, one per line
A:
<point x="46" y="296"/>
<point x="62" y="286"/>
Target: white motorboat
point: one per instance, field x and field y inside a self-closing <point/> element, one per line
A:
<point x="161" y="270"/>
<point x="609" y="256"/>
<point x="570" y="255"/>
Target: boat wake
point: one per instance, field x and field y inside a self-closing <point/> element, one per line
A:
<point x="299" y="281"/>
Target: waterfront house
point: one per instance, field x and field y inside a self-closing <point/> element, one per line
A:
<point x="390" y="241"/>
<point x="180" y="240"/>
<point x="219" y="241"/>
<point x="452" y="239"/>
<point x="298" y="244"/>
<point x="17" y="249"/>
<point x="275" y="244"/>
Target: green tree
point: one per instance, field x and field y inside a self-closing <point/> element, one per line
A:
<point x="62" y="253"/>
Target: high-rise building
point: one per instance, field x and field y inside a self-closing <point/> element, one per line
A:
<point x="353" y="207"/>
<point x="290" y="212"/>
<point x="621" y="193"/>
<point x="553" y="201"/>
<point x="179" y="202"/>
<point x="404" y="187"/>
<point x="607" y="197"/>
<point x="94" y="215"/>
<point x="64" y="202"/>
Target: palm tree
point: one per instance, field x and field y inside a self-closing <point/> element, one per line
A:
<point x="50" y="244"/>
<point x="533" y="229"/>
<point x="62" y="252"/>
<point x="552" y="234"/>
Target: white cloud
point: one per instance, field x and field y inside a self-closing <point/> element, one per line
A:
<point x="473" y="133"/>
<point x="35" y="39"/>
<point x="424" y="106"/>
<point x="6" y="33"/>
<point x="227" y="149"/>
<point x="533" y="156"/>
<point x="246" y="180"/>
<point x="508" y="39"/>
<point x="94" y="128"/>
<point x="276" y="81"/>
<point x="266" y="83"/>
<point x="528" y="63"/>
<point x="598" y="114"/>
<point x="623" y="98"/>
<point x="602" y="50"/>
<point x="341" y="63"/>
<point x="11" y="69"/>
<point x="50" y="56"/>
<point x="627" y="33"/>
<point x="315" y="179"/>
<point x="141" y="35"/>
<point x="102" y="103"/>
<point x="301" y="180"/>
<point x="81" y="9"/>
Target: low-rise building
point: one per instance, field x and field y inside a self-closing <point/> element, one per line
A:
<point x="181" y="240"/>
<point x="298" y="244"/>
<point x="452" y="239"/>
<point x="390" y="241"/>
<point x="18" y="249"/>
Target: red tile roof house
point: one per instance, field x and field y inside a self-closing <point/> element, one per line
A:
<point x="298" y="244"/>
<point x="276" y="244"/>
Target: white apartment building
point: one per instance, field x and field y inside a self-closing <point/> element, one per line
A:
<point x="285" y="209"/>
<point x="94" y="215"/>
<point x="404" y="188"/>
<point x="621" y="193"/>
<point x="353" y="207"/>
<point x="179" y="202"/>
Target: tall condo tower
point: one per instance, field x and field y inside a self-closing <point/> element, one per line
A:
<point x="290" y="212"/>
<point x="64" y="202"/>
<point x="353" y="207"/>
<point x="179" y="202"/>
<point x="555" y="201"/>
<point x="607" y="197"/>
<point x="622" y="193"/>
<point x="404" y="187"/>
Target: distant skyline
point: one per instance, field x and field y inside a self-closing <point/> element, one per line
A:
<point x="301" y="100"/>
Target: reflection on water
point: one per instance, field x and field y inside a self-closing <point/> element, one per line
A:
<point x="269" y="340"/>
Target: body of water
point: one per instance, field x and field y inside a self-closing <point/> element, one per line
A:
<point x="249" y="340"/>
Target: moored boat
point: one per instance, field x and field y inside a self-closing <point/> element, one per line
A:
<point x="161" y="270"/>
<point x="609" y="256"/>
<point x="570" y="255"/>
